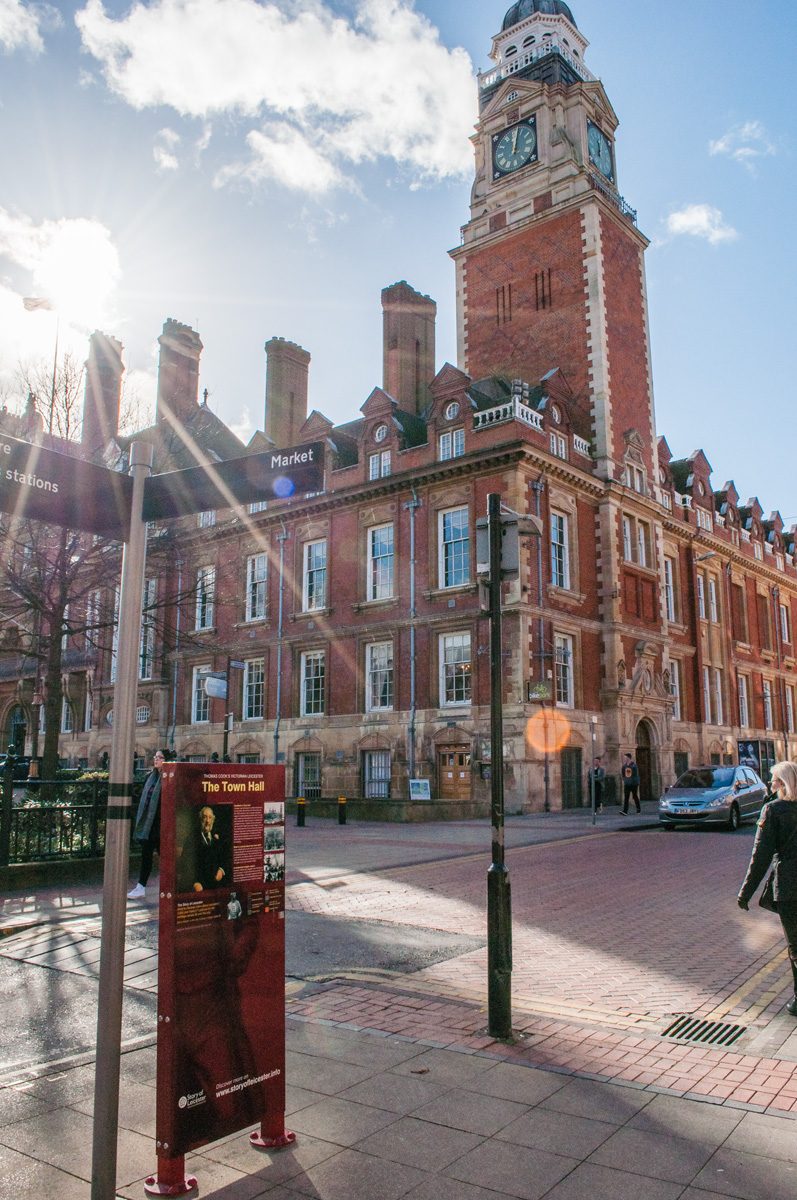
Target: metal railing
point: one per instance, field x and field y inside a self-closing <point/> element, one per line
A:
<point x="68" y="823"/>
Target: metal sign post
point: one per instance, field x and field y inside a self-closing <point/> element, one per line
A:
<point x="499" y="900"/>
<point x="117" y="842"/>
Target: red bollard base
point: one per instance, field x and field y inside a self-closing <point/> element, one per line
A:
<point x="171" y="1179"/>
<point x="272" y="1143"/>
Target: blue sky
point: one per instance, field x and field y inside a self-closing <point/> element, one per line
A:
<point x="260" y="170"/>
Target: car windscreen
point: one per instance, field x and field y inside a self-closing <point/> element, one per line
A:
<point x="715" y="777"/>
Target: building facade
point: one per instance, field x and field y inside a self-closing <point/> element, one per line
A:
<point x="656" y="612"/>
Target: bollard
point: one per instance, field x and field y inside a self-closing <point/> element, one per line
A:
<point x="341" y="810"/>
<point x="300" y="812"/>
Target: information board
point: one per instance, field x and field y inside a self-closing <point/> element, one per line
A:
<point x="221" y="976"/>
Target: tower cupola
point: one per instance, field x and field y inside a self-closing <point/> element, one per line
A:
<point x="539" y="39"/>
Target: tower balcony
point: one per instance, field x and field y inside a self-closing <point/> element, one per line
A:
<point x="614" y="198"/>
<point x="549" y="45"/>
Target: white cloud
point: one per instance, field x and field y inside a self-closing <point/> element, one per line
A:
<point x="72" y="262"/>
<point x="744" y="144"/>
<point x="243" y="428"/>
<point x="19" y="26"/>
<point x="701" y="220"/>
<point x="163" y="151"/>
<point x="327" y="93"/>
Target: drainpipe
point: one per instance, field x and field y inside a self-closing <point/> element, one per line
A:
<point x="412" y="505"/>
<point x="281" y="538"/>
<point x="537" y="486"/>
<point x="176" y="648"/>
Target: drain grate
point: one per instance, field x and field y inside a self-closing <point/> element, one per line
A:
<point x="711" y="1033"/>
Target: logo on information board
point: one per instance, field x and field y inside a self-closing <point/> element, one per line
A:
<point x="191" y="1100"/>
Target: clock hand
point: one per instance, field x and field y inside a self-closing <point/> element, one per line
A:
<point x="514" y="139"/>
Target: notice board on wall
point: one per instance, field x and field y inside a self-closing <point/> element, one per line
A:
<point x="221" y="975"/>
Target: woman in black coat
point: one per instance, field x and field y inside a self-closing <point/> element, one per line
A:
<point x="776" y="837"/>
<point x="148" y="825"/>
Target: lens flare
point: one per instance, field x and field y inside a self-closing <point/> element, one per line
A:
<point x="548" y="731"/>
<point x="283" y="487"/>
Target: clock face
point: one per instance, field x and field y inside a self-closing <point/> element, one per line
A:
<point x="600" y="151"/>
<point x="514" y="148"/>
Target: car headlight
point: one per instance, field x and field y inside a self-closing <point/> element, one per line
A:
<point x="718" y="802"/>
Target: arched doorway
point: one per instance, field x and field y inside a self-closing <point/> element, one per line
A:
<point x="644" y="760"/>
<point x="17" y="729"/>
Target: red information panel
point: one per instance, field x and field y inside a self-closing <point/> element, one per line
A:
<point x="221" y="976"/>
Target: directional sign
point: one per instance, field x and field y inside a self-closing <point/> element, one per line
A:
<point x="45" y="486"/>
<point x="275" y="474"/>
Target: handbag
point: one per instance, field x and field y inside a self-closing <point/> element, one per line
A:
<point x="767" y="898"/>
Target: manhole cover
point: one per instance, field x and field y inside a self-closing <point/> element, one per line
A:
<point x="711" y="1033"/>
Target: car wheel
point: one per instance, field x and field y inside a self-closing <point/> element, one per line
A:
<point x="734" y="818"/>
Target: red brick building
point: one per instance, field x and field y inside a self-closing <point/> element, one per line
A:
<point x="656" y="612"/>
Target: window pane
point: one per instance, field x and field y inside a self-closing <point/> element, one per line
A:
<point x="379" y="676"/>
<point x="256" y="582"/>
<point x="455" y="547"/>
<point x="313" y="678"/>
<point x="456" y="669"/>
<point x="560" y="566"/>
<point x="315" y="576"/>
<point x="380" y="563"/>
<point x="205" y="591"/>
<point x="563" y="664"/>
<point x="254" y="689"/>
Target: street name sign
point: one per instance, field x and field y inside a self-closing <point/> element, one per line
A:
<point x="272" y="475"/>
<point x="43" y="485"/>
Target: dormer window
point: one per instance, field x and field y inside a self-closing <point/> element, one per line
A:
<point x="380" y="433"/>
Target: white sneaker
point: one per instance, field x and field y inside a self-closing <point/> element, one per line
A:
<point x="138" y="892"/>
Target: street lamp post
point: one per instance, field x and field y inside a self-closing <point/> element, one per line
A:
<point x="499" y="900"/>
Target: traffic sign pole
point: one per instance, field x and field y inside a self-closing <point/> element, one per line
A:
<point x="499" y="902"/>
<point x="117" y="841"/>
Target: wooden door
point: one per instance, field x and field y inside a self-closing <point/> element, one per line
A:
<point x="572" y="785"/>
<point x="453" y="772"/>
<point x="643" y="761"/>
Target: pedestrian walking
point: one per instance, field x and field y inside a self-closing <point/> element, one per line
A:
<point x="630" y="774"/>
<point x="148" y="824"/>
<point x="776" y="838"/>
<point x="595" y="777"/>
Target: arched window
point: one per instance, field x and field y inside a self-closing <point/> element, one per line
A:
<point x="529" y="41"/>
<point x="510" y="50"/>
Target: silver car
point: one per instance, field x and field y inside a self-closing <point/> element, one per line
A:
<point x="713" y="796"/>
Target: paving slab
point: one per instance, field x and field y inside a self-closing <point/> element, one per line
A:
<point x="748" y="1176"/>
<point x="591" y="1182"/>
<point x="418" y="1143"/>
<point x="676" y="1159"/>
<point x="561" y="1133"/>
<point x="513" y="1170"/>
<point x="473" y="1113"/>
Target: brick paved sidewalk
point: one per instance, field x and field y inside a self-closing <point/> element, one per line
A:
<point x="655" y="933"/>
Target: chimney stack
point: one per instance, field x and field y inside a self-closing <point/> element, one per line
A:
<point x="408" y="321"/>
<point x="286" y="391"/>
<point x="103" y="392"/>
<point x="178" y="370"/>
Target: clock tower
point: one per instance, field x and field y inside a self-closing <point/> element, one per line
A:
<point x="550" y="271"/>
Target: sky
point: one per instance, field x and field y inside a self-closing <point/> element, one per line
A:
<point x="258" y="169"/>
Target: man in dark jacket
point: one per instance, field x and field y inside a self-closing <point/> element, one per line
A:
<point x="630" y="774"/>
<point x="776" y="837"/>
